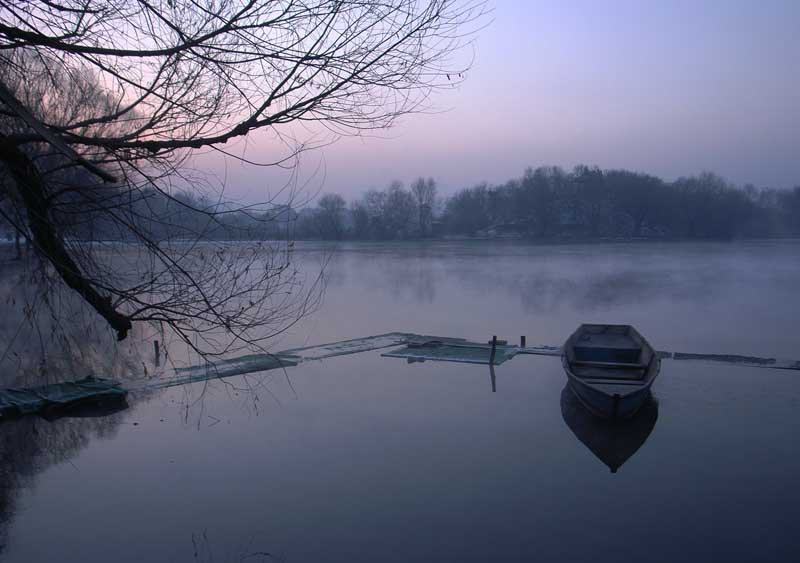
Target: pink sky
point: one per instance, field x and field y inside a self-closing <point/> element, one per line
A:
<point x="671" y="88"/>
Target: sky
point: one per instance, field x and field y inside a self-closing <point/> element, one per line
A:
<point x="671" y="88"/>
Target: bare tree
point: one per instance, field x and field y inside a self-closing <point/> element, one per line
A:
<point x="424" y="192"/>
<point x="329" y="217"/>
<point x="640" y="197"/>
<point x="104" y="103"/>
<point x="398" y="211"/>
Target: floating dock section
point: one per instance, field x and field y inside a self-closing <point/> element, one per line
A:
<point x="59" y="396"/>
<point x="408" y="346"/>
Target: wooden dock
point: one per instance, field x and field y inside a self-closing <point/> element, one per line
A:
<point x="409" y="346"/>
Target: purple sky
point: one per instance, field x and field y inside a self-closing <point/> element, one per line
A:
<point x="668" y="87"/>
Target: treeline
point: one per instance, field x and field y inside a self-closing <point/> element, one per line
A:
<point x="549" y="203"/>
<point x="395" y="213"/>
<point x="106" y="213"/>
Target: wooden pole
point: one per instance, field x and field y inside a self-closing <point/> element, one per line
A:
<point x="522" y="341"/>
<point x="157" y="354"/>
<point x="494" y="350"/>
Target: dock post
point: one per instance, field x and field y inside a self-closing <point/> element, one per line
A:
<point x="494" y="350"/>
<point x="522" y="341"/>
<point x="156" y="351"/>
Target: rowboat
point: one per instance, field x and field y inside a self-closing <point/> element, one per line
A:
<point x="610" y="368"/>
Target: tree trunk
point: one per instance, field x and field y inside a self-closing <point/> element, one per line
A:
<point x="48" y="242"/>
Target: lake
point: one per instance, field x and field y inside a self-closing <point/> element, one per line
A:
<point x="366" y="458"/>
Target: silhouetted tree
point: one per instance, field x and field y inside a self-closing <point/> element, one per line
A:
<point x="330" y="216"/>
<point x="424" y="192"/>
<point x="361" y="221"/>
<point x="538" y="199"/>
<point x="639" y="197"/>
<point x="126" y="92"/>
<point x="467" y="211"/>
<point x="398" y="211"/>
<point x="790" y="205"/>
<point x="593" y="198"/>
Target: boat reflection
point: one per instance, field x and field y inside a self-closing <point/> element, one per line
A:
<point x="613" y="442"/>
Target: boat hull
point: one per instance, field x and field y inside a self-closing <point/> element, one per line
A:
<point x="608" y="405"/>
<point x="610" y="369"/>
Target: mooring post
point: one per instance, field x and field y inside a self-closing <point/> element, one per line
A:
<point x="522" y="341"/>
<point x="494" y="350"/>
<point x="156" y="351"/>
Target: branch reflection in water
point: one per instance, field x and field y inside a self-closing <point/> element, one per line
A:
<point x="46" y="339"/>
<point x="31" y="444"/>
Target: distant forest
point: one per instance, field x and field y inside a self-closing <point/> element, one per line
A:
<point x="549" y="203"/>
<point x="546" y="203"/>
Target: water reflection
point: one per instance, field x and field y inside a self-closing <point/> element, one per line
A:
<point x="613" y="442"/>
<point x="31" y="444"/>
<point x="366" y="456"/>
<point x="46" y="337"/>
<point x="579" y="280"/>
<point x="413" y="279"/>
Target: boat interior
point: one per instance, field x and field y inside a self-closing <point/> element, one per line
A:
<point x="609" y="352"/>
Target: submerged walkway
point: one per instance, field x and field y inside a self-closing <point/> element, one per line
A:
<point x="412" y="347"/>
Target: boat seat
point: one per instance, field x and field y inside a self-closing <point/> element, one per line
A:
<point x="618" y="365"/>
<point x="611" y="373"/>
<point x="623" y="382"/>
<point x="607" y="347"/>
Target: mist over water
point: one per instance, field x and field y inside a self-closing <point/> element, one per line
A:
<point x="364" y="458"/>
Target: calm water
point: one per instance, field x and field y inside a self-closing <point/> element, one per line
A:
<point x="364" y="458"/>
